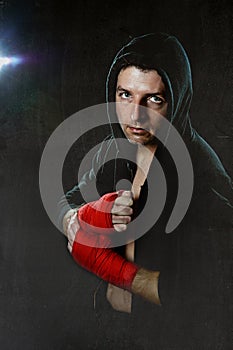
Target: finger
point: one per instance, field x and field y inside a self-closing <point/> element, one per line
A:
<point x="71" y="234"/>
<point x="70" y="247"/>
<point x="128" y="201"/>
<point x="123" y="193"/>
<point x="122" y="210"/>
<point x="120" y="219"/>
<point x="120" y="227"/>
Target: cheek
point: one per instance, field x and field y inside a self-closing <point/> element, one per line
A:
<point x="123" y="113"/>
<point x="157" y="115"/>
<point x="156" y="118"/>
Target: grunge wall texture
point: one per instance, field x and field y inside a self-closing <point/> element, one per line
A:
<point x="68" y="47"/>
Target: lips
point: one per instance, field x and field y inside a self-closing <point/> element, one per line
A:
<point x="136" y="130"/>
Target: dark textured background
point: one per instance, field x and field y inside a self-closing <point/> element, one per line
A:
<point x="69" y="47"/>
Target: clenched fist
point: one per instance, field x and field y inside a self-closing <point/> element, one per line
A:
<point x="122" y="210"/>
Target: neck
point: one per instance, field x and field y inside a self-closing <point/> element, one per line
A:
<point x="147" y="150"/>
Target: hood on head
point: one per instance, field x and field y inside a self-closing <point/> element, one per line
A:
<point x="165" y="54"/>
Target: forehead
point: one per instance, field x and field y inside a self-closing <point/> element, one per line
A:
<point x="135" y="79"/>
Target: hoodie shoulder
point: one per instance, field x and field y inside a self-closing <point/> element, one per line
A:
<point x="209" y="172"/>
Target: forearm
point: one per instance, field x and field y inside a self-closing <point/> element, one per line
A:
<point x="91" y="250"/>
<point x="105" y="263"/>
<point x="113" y="268"/>
<point x="145" y="284"/>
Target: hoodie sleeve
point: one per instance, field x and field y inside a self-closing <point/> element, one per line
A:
<point x="87" y="186"/>
<point x="212" y="176"/>
<point x="197" y="267"/>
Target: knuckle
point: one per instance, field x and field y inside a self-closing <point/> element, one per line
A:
<point x="121" y="210"/>
<point x="128" y="219"/>
<point x="120" y="227"/>
<point x="129" y="210"/>
<point x="113" y="211"/>
<point x="127" y="193"/>
<point x="130" y="202"/>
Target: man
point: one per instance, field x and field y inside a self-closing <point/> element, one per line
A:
<point x="187" y="269"/>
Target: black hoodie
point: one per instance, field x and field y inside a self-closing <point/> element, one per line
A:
<point x="165" y="54"/>
<point x="198" y="252"/>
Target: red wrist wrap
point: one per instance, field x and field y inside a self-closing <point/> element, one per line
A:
<point x="105" y="263"/>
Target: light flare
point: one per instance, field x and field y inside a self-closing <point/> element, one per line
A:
<point x="4" y="61"/>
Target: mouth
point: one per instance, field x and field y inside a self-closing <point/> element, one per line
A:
<point x="139" y="135"/>
<point x="137" y="130"/>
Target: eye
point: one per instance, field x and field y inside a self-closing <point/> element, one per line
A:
<point x="124" y="95"/>
<point x="156" y="99"/>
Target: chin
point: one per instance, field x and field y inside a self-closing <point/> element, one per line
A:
<point x="141" y="141"/>
<point x="134" y="142"/>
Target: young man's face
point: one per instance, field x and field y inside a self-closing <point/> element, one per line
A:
<point x="137" y="89"/>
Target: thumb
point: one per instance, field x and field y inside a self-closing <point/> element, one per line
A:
<point x="125" y="193"/>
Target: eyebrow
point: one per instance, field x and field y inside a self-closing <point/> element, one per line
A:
<point x="121" y="89"/>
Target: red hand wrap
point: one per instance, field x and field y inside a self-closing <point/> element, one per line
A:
<point x="103" y="262"/>
<point x="95" y="216"/>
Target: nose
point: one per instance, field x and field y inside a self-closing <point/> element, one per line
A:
<point x="138" y="112"/>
